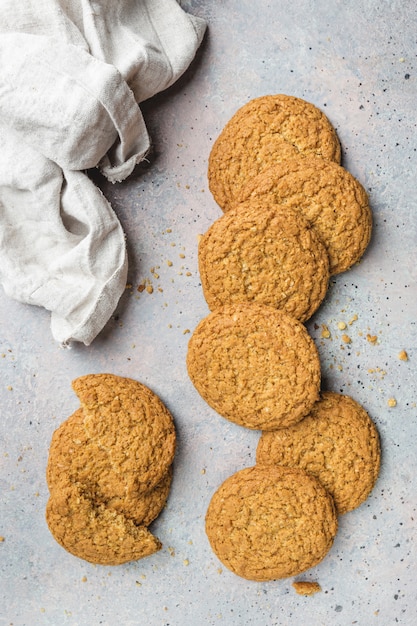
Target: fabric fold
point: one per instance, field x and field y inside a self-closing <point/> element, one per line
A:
<point x="72" y="76"/>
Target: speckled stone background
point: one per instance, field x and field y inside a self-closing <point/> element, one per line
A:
<point x="357" y="62"/>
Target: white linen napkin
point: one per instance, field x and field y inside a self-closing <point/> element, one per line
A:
<point x="72" y="74"/>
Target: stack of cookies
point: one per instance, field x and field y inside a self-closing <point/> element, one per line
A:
<point x="109" y="471"/>
<point x="293" y="217"/>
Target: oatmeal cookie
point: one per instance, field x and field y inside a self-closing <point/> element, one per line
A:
<point x="266" y="254"/>
<point x="337" y="442"/>
<point x="255" y="365"/>
<point x="265" y="523"/>
<point x="328" y="196"/>
<point x="91" y="531"/>
<point x="127" y="420"/>
<point x="264" y="131"/>
<point x="109" y="470"/>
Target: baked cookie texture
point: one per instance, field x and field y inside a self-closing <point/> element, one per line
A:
<point x="255" y="365"/>
<point x="335" y="204"/>
<point x="266" y="254"/>
<point x="109" y="470"/>
<point x="266" y="523"/>
<point x="337" y="442"/>
<point x="263" y="132"/>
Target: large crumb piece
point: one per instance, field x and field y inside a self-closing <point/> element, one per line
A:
<point x="306" y="588"/>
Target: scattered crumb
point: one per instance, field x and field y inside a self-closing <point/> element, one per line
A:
<point x="325" y="332"/>
<point x="403" y="356"/>
<point x="186" y="331"/>
<point x="203" y="471"/>
<point x="169" y="263"/>
<point x="171" y="550"/>
<point x="186" y="562"/>
<point x="346" y="339"/>
<point x="306" y="588"/>
<point x="9" y="388"/>
<point x="149" y="288"/>
<point x="372" y="338"/>
<point x="84" y="579"/>
<point x="2" y="539"/>
<point x="353" y="319"/>
<point x="392" y="402"/>
<point x="342" y="325"/>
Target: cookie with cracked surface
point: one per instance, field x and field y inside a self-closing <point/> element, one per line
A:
<point x="328" y="196"/>
<point x="91" y="531"/>
<point x="255" y="365"/>
<point x="266" y="523"/>
<point x="109" y="470"/>
<point x="78" y="458"/>
<point x="337" y="442"/>
<point x="267" y="254"/>
<point x="128" y="421"/>
<point x="264" y="131"/>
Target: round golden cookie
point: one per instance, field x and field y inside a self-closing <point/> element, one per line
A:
<point x="265" y="523"/>
<point x="328" y="196"/>
<point x="255" y="365"/>
<point x="93" y="532"/>
<point x="264" y="131"/>
<point x="264" y="254"/>
<point x="128" y="421"/>
<point x="337" y="442"/>
<point x="72" y="454"/>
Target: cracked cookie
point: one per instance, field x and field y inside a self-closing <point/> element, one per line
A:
<point x="266" y="254"/>
<point x="255" y="365"/>
<point x="265" y="131"/>
<point x="113" y="457"/>
<point x="337" y="442"/>
<point x="266" y="523"/>
<point x="334" y="203"/>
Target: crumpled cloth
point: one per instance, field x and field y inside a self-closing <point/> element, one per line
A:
<point x="72" y="76"/>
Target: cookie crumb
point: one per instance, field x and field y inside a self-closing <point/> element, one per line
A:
<point x="372" y="339"/>
<point x="346" y="339"/>
<point x="149" y="289"/>
<point x="403" y="356"/>
<point x="2" y="539"/>
<point x="306" y="588"/>
<point x="84" y="579"/>
<point x="325" y="332"/>
<point x="353" y="319"/>
<point x="341" y="325"/>
<point x="392" y="402"/>
<point x="186" y="562"/>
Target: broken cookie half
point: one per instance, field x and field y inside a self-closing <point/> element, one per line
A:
<point x="109" y="471"/>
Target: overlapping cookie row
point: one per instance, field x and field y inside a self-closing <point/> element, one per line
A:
<point x="293" y="216"/>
